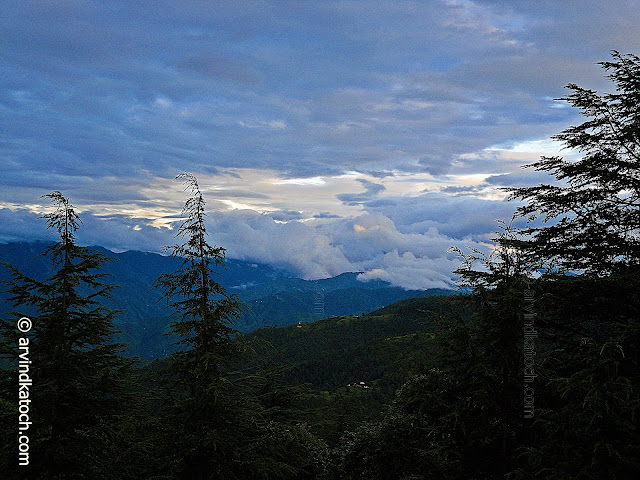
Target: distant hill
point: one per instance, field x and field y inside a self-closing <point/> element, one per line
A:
<point x="273" y="296"/>
<point x="336" y="348"/>
<point x="355" y="364"/>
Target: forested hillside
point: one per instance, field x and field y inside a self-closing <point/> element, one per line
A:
<point x="271" y="296"/>
<point x="353" y="365"/>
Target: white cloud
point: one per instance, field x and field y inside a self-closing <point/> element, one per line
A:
<point x="372" y="134"/>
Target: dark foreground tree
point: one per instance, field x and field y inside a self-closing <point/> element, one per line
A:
<point x="596" y="213"/>
<point x="588" y="409"/>
<point x="80" y="382"/>
<point x="220" y="422"/>
<point x="204" y="404"/>
<point x="471" y="417"/>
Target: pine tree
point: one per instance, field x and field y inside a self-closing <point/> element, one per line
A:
<point x="589" y="402"/>
<point x="80" y="380"/>
<point x="485" y="355"/>
<point x="462" y="415"/>
<point x="205" y="309"/>
<point x="596" y="213"/>
<point x="586" y="394"/>
<point x="221" y="422"/>
<point x="205" y="409"/>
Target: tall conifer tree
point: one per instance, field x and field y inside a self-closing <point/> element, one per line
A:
<point x="596" y="212"/>
<point x="80" y="381"/>
<point x="204" y="409"/>
<point x="589" y="401"/>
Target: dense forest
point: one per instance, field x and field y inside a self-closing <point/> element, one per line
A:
<point x="534" y="373"/>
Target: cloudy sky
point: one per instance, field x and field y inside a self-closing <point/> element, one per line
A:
<point x="327" y="136"/>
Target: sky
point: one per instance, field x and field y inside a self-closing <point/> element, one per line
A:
<point x="327" y="136"/>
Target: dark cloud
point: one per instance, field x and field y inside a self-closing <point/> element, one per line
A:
<point x="463" y="190"/>
<point x="382" y="202"/>
<point x="379" y="174"/>
<point x="286" y="215"/>
<point x="457" y="217"/>
<point x="371" y="190"/>
<point x="110" y="89"/>
<point x="326" y="215"/>
<point x="20" y="226"/>
<point x="220" y="67"/>
<point x="524" y="178"/>
<point x="102" y="99"/>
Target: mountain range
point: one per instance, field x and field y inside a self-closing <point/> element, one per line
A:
<point x="273" y="296"/>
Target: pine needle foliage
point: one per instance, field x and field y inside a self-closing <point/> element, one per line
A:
<point x="81" y="383"/>
<point x="205" y="309"/>
<point x="205" y="405"/>
<point x="595" y="205"/>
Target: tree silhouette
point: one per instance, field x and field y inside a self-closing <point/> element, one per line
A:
<point x="597" y="211"/>
<point x="204" y="408"/>
<point x="80" y="381"/>
<point x="589" y="399"/>
<point x="206" y="310"/>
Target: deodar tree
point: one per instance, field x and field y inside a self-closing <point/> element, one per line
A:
<point x="596" y="213"/>
<point x="80" y="381"/>
<point x="587" y="425"/>
<point x="206" y="311"/>
<point x="204" y="408"/>
<point x="222" y="422"/>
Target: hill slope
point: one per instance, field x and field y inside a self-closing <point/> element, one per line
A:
<point x="273" y="296"/>
<point x="354" y="364"/>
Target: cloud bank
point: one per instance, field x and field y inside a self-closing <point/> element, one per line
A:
<point x="329" y="136"/>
